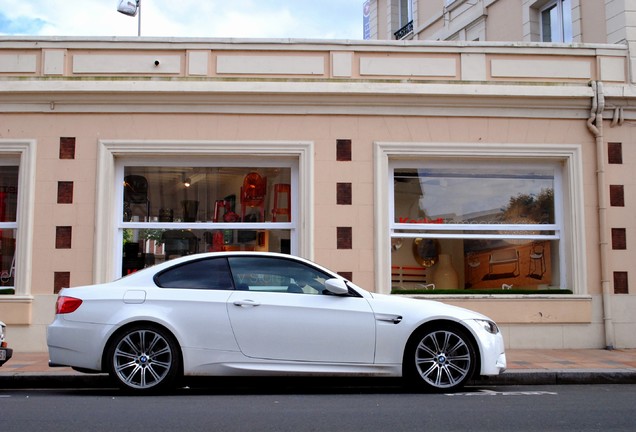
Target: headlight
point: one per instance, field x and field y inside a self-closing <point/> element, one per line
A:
<point x="489" y="326"/>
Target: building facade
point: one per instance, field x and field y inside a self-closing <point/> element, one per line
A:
<point x="493" y="176"/>
<point x="556" y="21"/>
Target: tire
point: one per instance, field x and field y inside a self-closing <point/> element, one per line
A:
<point x="440" y="359"/>
<point x="144" y="359"/>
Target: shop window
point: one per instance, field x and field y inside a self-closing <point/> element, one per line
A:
<point x="8" y="226"/>
<point x="478" y="225"/>
<point x="17" y="177"/>
<point x="169" y="211"/>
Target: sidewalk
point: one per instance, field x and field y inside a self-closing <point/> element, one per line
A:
<point x="525" y="367"/>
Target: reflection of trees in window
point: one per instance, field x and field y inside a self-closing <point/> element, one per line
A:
<point x="532" y="208"/>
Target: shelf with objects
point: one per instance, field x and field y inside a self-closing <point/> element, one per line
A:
<point x="172" y="211"/>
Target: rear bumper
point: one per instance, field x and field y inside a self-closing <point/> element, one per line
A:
<point x="5" y="355"/>
<point x="76" y="345"/>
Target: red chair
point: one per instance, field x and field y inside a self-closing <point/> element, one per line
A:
<point x="253" y="194"/>
<point x="282" y="207"/>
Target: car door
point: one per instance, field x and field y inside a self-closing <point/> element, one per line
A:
<point x="280" y="311"/>
<point x="193" y="298"/>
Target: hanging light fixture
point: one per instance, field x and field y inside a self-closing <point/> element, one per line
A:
<point x="187" y="182"/>
<point x="130" y="8"/>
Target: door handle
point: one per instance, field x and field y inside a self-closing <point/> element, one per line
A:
<point x="246" y="302"/>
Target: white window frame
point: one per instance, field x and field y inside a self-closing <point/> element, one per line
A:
<point x="23" y="152"/>
<point x="571" y="240"/>
<point x="113" y="155"/>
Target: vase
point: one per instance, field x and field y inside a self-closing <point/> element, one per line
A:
<point x="444" y="275"/>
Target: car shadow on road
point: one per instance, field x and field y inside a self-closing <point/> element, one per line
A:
<point x="235" y="386"/>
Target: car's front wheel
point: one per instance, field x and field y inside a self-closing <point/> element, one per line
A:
<point x="441" y="358"/>
<point x="144" y="358"/>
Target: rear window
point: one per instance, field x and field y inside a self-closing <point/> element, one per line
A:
<point x="209" y="274"/>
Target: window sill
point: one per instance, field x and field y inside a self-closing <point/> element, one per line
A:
<point x="524" y="308"/>
<point x="486" y="293"/>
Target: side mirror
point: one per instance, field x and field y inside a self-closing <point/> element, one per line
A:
<point x="336" y="286"/>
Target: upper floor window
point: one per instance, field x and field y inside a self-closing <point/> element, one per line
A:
<point x="406" y="12"/>
<point x="403" y="16"/>
<point x="556" y="21"/>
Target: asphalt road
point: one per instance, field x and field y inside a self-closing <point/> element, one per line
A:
<point x="311" y="407"/>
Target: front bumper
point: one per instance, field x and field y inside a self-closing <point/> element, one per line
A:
<point x="491" y="347"/>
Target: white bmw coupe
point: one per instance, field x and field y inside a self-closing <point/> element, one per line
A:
<point x="256" y="314"/>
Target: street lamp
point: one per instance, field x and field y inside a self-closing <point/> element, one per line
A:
<point x="130" y="8"/>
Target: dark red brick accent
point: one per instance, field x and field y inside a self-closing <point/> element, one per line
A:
<point x="63" y="237"/>
<point x="343" y="150"/>
<point x="620" y="283"/>
<point x="67" y="148"/>
<point x="619" y="238"/>
<point x="347" y="275"/>
<point x="61" y="280"/>
<point x="615" y="152"/>
<point x="617" y="196"/>
<point x="345" y="238"/>
<point x="343" y="194"/>
<point x="65" y="192"/>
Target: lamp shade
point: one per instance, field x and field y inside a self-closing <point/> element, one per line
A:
<point x="128" y="7"/>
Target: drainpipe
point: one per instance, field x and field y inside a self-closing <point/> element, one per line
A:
<point x="595" y="126"/>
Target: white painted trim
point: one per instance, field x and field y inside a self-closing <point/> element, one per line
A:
<point x="26" y="151"/>
<point x="108" y="150"/>
<point x="270" y="65"/>
<point x="573" y="244"/>
<point x="126" y="64"/>
<point x="18" y="63"/>
<point x="407" y="66"/>
<point x="548" y="69"/>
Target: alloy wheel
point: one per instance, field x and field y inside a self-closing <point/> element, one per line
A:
<point x="143" y="359"/>
<point x="444" y="359"/>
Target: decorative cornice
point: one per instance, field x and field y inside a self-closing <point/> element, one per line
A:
<point x="293" y="97"/>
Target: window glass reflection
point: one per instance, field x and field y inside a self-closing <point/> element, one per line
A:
<point x="468" y="195"/>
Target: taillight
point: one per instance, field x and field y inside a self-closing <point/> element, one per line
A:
<point x="66" y="305"/>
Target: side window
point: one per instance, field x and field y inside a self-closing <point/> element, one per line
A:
<point x="210" y="274"/>
<point x="276" y="275"/>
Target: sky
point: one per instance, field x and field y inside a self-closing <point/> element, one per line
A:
<point x="302" y="19"/>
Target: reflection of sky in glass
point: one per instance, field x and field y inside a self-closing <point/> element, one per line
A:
<point x="567" y="20"/>
<point x="464" y="194"/>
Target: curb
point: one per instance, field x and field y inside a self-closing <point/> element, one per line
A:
<point x="560" y="377"/>
<point x="36" y="380"/>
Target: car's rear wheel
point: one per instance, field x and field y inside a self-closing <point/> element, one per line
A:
<point x="143" y="359"/>
<point x="441" y="358"/>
